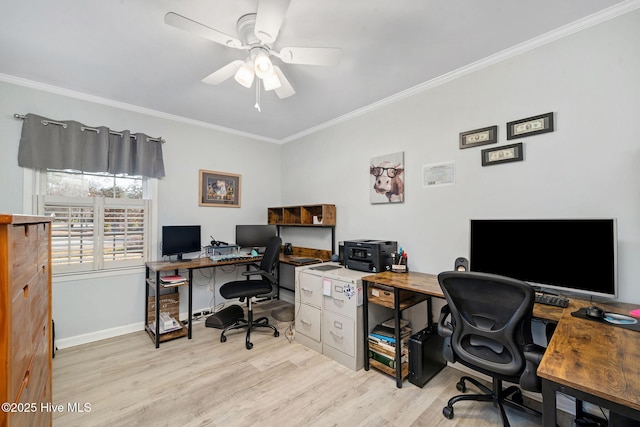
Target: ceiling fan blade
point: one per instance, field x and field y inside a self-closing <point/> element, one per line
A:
<point x="223" y="73"/>
<point x="269" y="19"/>
<point x="285" y="90"/>
<point x="311" y="55"/>
<point x="194" y="27"/>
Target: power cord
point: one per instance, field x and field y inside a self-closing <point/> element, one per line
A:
<point x="290" y="333"/>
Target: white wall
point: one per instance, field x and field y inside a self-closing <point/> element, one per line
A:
<point x="588" y="167"/>
<point x="86" y="308"/>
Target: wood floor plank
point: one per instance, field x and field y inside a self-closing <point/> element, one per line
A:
<point x="203" y="382"/>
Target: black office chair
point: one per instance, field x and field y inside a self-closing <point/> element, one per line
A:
<point x="255" y="287"/>
<point x="490" y="332"/>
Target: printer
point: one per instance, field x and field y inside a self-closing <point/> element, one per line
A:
<point x="369" y="255"/>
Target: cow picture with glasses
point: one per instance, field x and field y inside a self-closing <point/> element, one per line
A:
<point x="387" y="175"/>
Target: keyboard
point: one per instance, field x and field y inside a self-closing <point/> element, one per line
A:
<point x="232" y="257"/>
<point x="550" y="299"/>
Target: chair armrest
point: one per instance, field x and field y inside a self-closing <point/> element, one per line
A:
<point x="255" y="272"/>
<point x="445" y="330"/>
<point x="272" y="278"/>
<point x="529" y="380"/>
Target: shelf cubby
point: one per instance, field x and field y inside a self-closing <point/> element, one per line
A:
<point x="322" y="215"/>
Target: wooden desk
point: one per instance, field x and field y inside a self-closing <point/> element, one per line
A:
<point x="189" y="265"/>
<point x="288" y="264"/>
<point x="422" y="285"/>
<point x="592" y="361"/>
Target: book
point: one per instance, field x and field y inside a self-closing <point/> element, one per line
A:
<point x="385" y="360"/>
<point x="387" y="350"/>
<point x="391" y="332"/>
<point x="383" y="338"/>
<point x="381" y="344"/>
<point x="172" y="279"/>
<point x="392" y="324"/>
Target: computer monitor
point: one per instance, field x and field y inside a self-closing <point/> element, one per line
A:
<point x="568" y="255"/>
<point x="254" y="236"/>
<point x="180" y="239"/>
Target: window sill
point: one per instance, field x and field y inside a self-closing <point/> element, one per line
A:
<point x="85" y="275"/>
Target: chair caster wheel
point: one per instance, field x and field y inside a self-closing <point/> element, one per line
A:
<point x="223" y="338"/>
<point x="447" y="411"/>
<point x="461" y="386"/>
<point x="249" y="346"/>
<point x="276" y="334"/>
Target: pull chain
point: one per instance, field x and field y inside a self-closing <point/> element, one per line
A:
<point x="258" y="96"/>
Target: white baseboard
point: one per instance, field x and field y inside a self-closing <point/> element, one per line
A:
<point x="61" y="343"/>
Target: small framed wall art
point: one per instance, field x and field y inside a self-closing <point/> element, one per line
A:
<point x="504" y="154"/>
<point x="530" y="126"/>
<point x="484" y="136"/>
<point x="219" y="189"/>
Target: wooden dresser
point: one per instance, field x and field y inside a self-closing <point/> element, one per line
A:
<point x="25" y="320"/>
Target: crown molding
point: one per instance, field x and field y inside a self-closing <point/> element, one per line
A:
<point x="557" y="34"/>
<point x="551" y="36"/>
<point x="124" y="106"/>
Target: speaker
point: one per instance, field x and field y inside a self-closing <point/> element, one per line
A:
<point x="461" y="264"/>
<point x="288" y="249"/>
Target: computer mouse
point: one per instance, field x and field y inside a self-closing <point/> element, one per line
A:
<point x="594" y="311"/>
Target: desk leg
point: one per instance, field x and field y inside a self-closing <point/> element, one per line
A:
<point x="548" y="403"/>
<point x="365" y="323"/>
<point x="146" y="298"/>
<point x="396" y="319"/>
<point x="190" y="302"/>
<point x="157" y="335"/>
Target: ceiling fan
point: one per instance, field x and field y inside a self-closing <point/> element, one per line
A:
<point x="257" y="32"/>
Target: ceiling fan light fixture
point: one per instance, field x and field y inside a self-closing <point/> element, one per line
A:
<point x="263" y="65"/>
<point x="271" y="82"/>
<point x="245" y="74"/>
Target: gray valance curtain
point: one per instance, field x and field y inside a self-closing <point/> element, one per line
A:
<point x="53" y="144"/>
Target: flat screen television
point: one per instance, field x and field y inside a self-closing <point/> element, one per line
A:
<point x="254" y="236"/>
<point x="180" y="239"/>
<point x="568" y="255"/>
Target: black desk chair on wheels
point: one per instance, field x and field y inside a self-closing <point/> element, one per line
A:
<point x="267" y="270"/>
<point x="490" y="332"/>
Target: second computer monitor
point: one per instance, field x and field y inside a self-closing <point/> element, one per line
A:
<point x="254" y="236"/>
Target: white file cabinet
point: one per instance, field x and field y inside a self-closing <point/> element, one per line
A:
<point x="329" y="312"/>
<point x="308" y="314"/>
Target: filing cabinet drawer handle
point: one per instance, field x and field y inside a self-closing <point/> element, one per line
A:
<point x="304" y="322"/>
<point x="340" y="337"/>
<point x="338" y="301"/>
<point x="307" y="290"/>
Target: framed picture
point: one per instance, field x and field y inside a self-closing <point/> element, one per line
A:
<point x="530" y="126"/>
<point x="504" y="154"/>
<point x="387" y="178"/>
<point x="477" y="137"/>
<point x="219" y="189"/>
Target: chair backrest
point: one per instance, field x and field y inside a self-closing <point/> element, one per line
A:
<point x="271" y="256"/>
<point x="491" y="320"/>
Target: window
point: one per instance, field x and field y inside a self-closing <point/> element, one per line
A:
<point x="100" y="220"/>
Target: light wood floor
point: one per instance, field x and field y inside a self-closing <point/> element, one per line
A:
<point x="203" y="382"/>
